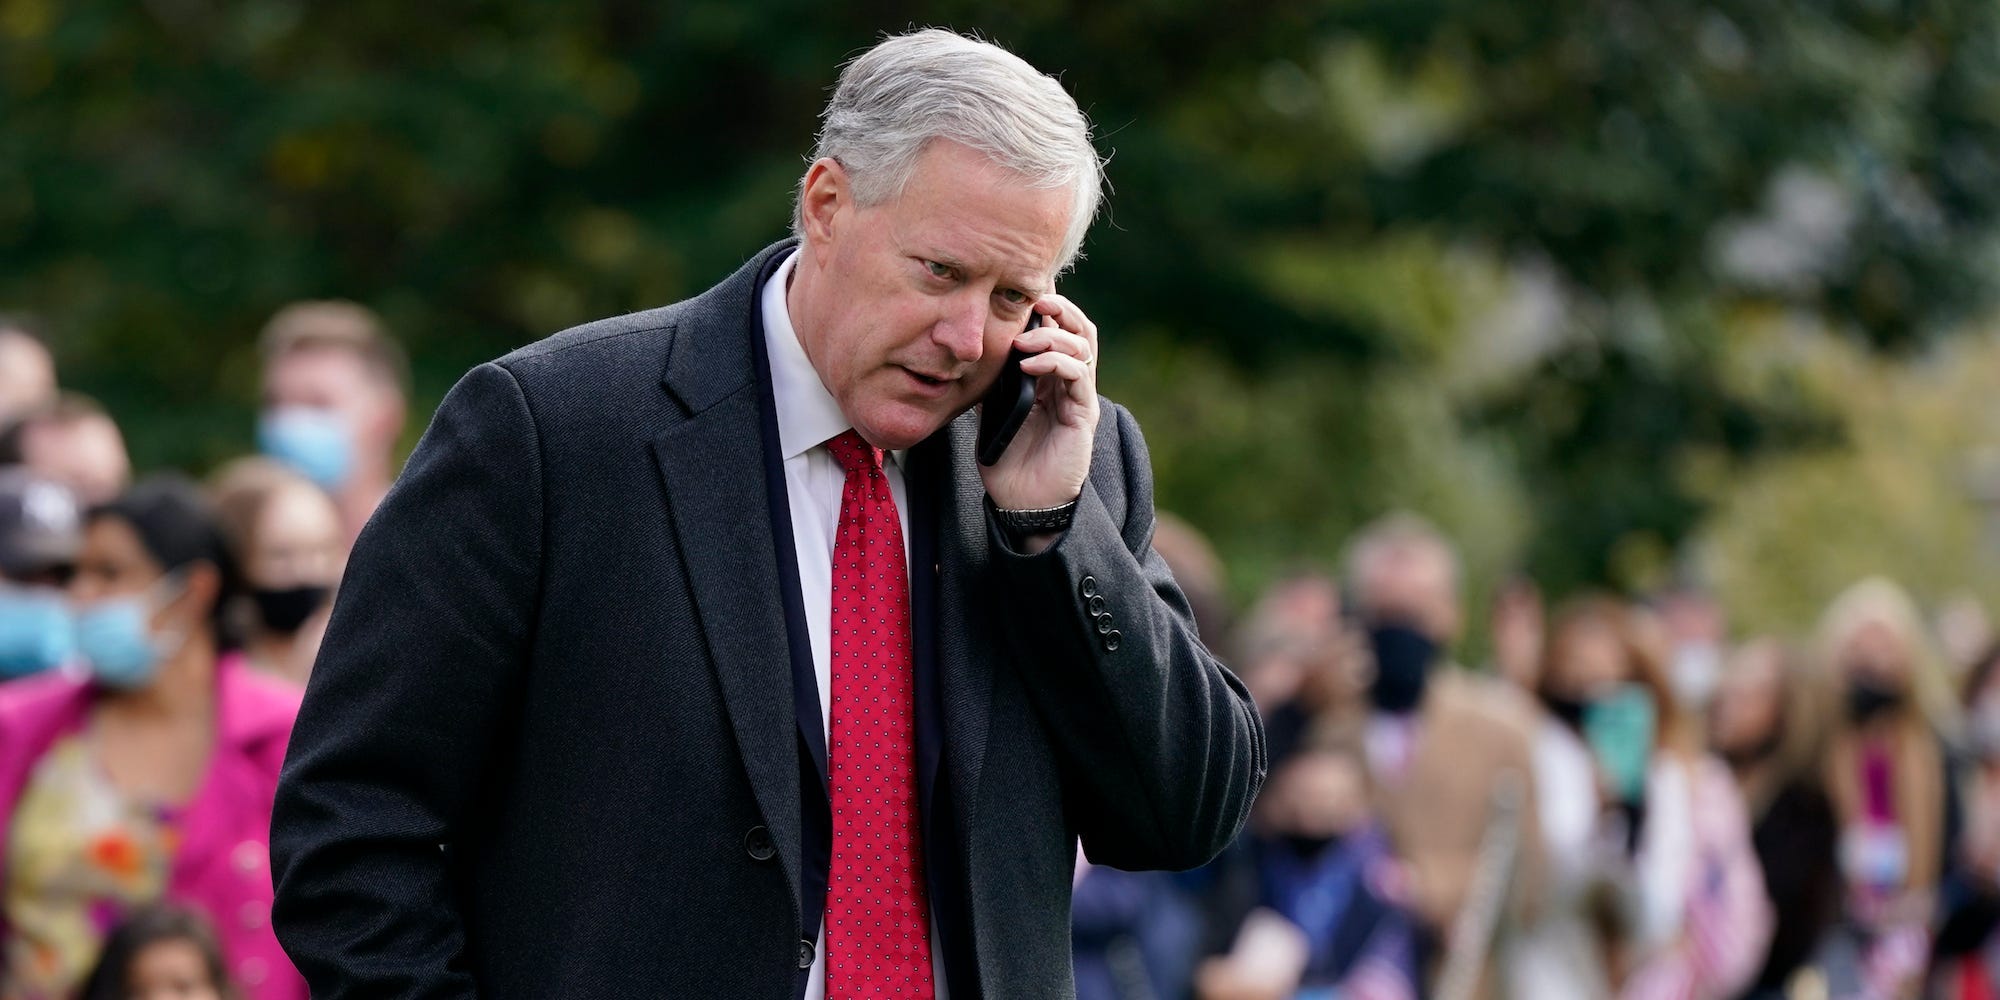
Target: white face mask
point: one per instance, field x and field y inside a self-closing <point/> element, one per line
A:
<point x="1696" y="673"/>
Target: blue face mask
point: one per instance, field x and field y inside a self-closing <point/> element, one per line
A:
<point x="36" y="633"/>
<point x="115" y="638"/>
<point x="315" y="442"/>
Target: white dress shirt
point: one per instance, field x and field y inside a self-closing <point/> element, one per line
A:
<point x="807" y="417"/>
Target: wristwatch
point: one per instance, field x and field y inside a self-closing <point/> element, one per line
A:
<point x="1034" y="521"/>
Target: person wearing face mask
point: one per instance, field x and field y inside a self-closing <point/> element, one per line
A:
<point x="1439" y="739"/>
<point x="151" y="778"/>
<point x="39" y="532"/>
<point x="1668" y="888"/>
<point x="1768" y="721"/>
<point x="1887" y="772"/>
<point x="1693" y="622"/>
<point x="336" y="389"/>
<point x="1306" y="899"/>
<point x="286" y="534"/>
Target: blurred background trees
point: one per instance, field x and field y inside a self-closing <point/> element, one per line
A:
<point x="1615" y="291"/>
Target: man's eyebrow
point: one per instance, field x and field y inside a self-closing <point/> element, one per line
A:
<point x="1031" y="289"/>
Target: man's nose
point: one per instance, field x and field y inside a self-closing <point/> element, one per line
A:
<point x="961" y="328"/>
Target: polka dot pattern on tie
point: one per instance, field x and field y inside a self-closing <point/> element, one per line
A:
<point x="877" y="916"/>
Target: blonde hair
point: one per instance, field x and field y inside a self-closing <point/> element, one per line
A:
<point x="1916" y="753"/>
<point x="1880" y="601"/>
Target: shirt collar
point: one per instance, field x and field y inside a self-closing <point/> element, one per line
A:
<point x="808" y="415"/>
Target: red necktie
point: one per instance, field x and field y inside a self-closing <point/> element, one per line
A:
<point x="877" y="920"/>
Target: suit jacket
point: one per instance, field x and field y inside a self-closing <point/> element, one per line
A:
<point x="551" y="747"/>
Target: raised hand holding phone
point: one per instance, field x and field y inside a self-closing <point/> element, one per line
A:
<point x="1045" y="464"/>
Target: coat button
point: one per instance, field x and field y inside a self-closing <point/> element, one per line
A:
<point x="253" y="971"/>
<point x="1088" y="587"/>
<point x="1111" y="641"/>
<point x="1095" y="605"/>
<point x="1104" y="625"/>
<point x="805" y="954"/>
<point x="758" y="844"/>
<point x="253" y="915"/>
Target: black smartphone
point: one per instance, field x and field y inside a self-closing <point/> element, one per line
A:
<point x="1005" y="407"/>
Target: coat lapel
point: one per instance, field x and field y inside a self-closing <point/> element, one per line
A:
<point x="966" y="670"/>
<point x="712" y="465"/>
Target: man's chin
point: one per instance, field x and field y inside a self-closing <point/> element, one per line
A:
<point x="900" y="425"/>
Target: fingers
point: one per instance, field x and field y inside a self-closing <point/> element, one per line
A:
<point x="1056" y="339"/>
<point x="1075" y="374"/>
<point x="1068" y="317"/>
<point x="1065" y="346"/>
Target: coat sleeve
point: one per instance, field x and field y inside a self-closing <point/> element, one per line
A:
<point x="1161" y="747"/>
<point x="421" y="663"/>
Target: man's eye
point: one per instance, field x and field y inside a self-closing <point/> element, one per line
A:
<point x="1014" y="296"/>
<point x="938" y="270"/>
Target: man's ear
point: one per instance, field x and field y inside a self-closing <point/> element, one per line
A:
<point x="824" y="198"/>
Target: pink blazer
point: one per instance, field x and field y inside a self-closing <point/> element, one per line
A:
<point x="224" y="864"/>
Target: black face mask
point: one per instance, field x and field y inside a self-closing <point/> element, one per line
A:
<point x="285" y="611"/>
<point x="1308" y="846"/>
<point x="1403" y="658"/>
<point x="1569" y="710"/>
<point x="1868" y="698"/>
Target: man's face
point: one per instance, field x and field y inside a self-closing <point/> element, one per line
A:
<point x="908" y="308"/>
<point x="334" y="380"/>
<point x="1413" y="584"/>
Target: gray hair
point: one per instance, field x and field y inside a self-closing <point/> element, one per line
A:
<point x="895" y="99"/>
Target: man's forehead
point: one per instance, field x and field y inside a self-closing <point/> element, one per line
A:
<point x="970" y="212"/>
<point x="1402" y="573"/>
<point x="316" y="367"/>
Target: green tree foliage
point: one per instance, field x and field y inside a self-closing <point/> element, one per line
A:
<point x="1482" y="259"/>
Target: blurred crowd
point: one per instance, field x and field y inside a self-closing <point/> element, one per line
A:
<point x="1625" y="801"/>
<point x="155" y="636"/>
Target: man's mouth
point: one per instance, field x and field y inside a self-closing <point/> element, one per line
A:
<point x="927" y="383"/>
